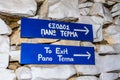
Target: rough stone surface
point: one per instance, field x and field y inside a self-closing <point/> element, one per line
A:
<point x="4" y="44"/>
<point x="68" y="8"/>
<point x="81" y="1"/>
<point x="103" y="11"/>
<point x="23" y="73"/>
<point x="84" y="11"/>
<point x="4" y="60"/>
<point x="87" y="44"/>
<point x="110" y="2"/>
<point x="108" y="49"/>
<point x="15" y="55"/>
<point x="117" y="21"/>
<point x="112" y="34"/>
<point x="62" y="72"/>
<point x="109" y="76"/>
<point x="101" y="1"/>
<point x="101" y="49"/>
<point x="104" y="15"/>
<point x="4" y="29"/>
<point x="43" y="11"/>
<point x="18" y="7"/>
<point x="85" y="5"/>
<point x="116" y="10"/>
<point x="67" y="42"/>
<point x="87" y="78"/>
<point x="39" y="1"/>
<point x="13" y="65"/>
<point x="6" y="74"/>
<point x="116" y="47"/>
<point x="84" y="8"/>
<point x="11" y="21"/>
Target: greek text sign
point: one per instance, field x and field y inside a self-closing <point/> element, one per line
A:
<point x="36" y="28"/>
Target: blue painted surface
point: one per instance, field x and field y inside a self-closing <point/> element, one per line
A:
<point x="56" y="54"/>
<point x="36" y="28"/>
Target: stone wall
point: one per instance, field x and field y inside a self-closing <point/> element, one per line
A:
<point x="104" y="15"/>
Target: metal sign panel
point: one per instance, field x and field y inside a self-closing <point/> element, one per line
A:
<point x="56" y="54"/>
<point x="36" y="28"/>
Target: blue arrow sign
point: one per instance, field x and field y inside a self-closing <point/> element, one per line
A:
<point x="56" y="54"/>
<point x="36" y="28"/>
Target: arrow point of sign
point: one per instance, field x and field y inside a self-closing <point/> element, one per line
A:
<point x="89" y="55"/>
<point x="87" y="30"/>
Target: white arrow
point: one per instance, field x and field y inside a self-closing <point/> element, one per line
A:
<point x="88" y="55"/>
<point x="86" y="30"/>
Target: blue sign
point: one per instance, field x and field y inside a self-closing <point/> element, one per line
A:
<point x="56" y="54"/>
<point x="36" y="28"/>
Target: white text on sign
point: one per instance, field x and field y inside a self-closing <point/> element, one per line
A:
<point x="59" y="52"/>
<point x="64" y="30"/>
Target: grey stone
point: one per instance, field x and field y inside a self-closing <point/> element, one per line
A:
<point x="6" y="74"/>
<point x="116" y="10"/>
<point x="23" y="73"/>
<point x="4" y="28"/>
<point x="99" y="9"/>
<point x="63" y="8"/>
<point x="109" y="76"/>
<point x="87" y="78"/>
<point x="4" y="60"/>
<point x="4" y="44"/>
<point x="112" y="34"/>
<point x="85" y="5"/>
<point x="117" y="21"/>
<point x="18" y="7"/>
<point x="62" y="72"/>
